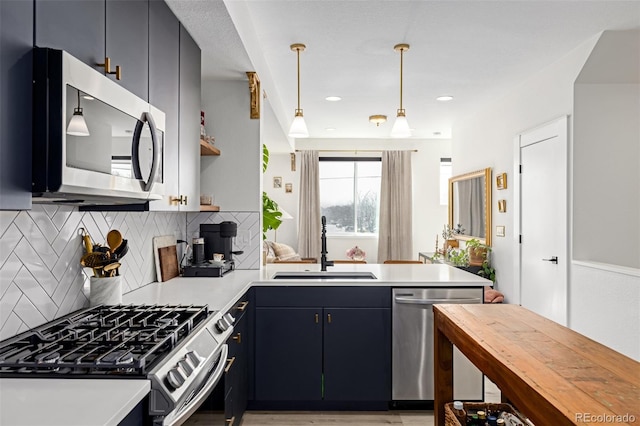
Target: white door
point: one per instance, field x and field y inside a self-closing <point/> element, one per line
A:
<point x="543" y="196"/>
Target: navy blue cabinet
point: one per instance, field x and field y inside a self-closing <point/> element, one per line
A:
<point x="357" y="354"/>
<point x="76" y="26"/>
<point x="93" y="30"/>
<point x="16" y="43"/>
<point x="164" y="91"/>
<point x="127" y="43"/>
<point x="322" y="348"/>
<point x="288" y="345"/>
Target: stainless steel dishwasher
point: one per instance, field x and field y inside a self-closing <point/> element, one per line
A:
<point x="412" y="353"/>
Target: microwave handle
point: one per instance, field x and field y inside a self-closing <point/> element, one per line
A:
<point x="135" y="146"/>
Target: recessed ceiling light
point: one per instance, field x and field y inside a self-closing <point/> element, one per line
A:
<point x="88" y="97"/>
<point x="444" y="98"/>
<point x="330" y="129"/>
<point x="333" y="98"/>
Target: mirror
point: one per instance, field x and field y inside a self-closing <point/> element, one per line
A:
<point x="470" y="205"/>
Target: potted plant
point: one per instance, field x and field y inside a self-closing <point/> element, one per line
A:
<point x="449" y="240"/>
<point x="478" y="252"/>
<point x="459" y="257"/>
<point x="488" y="271"/>
<point x="270" y="212"/>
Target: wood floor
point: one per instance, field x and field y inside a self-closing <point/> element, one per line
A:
<point x="302" y="418"/>
<point x="359" y="418"/>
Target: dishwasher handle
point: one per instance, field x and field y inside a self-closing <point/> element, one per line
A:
<point x="409" y="301"/>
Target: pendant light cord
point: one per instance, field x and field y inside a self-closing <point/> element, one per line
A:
<point x="401" y="62"/>
<point x="298" y="54"/>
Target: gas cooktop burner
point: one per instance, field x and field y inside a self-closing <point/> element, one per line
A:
<point x="105" y="341"/>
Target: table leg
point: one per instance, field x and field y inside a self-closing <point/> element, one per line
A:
<point x="443" y="366"/>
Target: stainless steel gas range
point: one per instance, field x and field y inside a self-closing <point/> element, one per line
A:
<point x="180" y="349"/>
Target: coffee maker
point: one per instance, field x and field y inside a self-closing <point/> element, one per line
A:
<point x="218" y="238"/>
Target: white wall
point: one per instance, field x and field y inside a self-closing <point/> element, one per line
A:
<point x="617" y="324"/>
<point x="233" y="178"/>
<point x="486" y="140"/>
<point x="603" y="302"/>
<point x="606" y="190"/>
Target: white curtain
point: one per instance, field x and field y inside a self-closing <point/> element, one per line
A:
<point x="395" y="240"/>
<point x="309" y="224"/>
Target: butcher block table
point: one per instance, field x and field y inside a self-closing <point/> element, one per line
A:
<point x="550" y="373"/>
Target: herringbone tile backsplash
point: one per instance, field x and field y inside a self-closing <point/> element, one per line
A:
<point x="40" y="274"/>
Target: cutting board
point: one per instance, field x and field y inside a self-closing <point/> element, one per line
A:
<point x="158" y="243"/>
<point x="168" y="263"/>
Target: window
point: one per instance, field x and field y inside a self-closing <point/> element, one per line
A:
<point x="445" y="174"/>
<point x="350" y="194"/>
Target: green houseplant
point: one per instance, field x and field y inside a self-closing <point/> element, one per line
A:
<point x="480" y="254"/>
<point x="270" y="212"/>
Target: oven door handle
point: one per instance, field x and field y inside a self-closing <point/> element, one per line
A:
<point x="180" y="416"/>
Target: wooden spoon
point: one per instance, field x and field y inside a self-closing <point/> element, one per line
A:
<point x="114" y="239"/>
<point x="110" y="269"/>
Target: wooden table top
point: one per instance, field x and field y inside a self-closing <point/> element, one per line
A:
<point x="554" y="375"/>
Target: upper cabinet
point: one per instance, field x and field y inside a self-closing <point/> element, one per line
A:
<point x="190" y="101"/>
<point x="127" y="42"/>
<point x="94" y="30"/>
<point x="164" y="92"/>
<point x="158" y="61"/>
<point x="16" y="43"/>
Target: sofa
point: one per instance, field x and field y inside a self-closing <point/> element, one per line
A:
<point x="282" y="253"/>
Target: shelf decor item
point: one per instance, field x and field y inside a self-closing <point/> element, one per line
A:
<point x="356" y="253"/>
<point x="501" y="181"/>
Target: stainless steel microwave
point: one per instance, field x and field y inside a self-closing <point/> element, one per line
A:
<point x="94" y="142"/>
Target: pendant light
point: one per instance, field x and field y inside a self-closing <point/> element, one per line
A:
<point x="77" y="126"/>
<point x="298" y="127"/>
<point x="400" y="128"/>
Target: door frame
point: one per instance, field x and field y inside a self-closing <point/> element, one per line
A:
<point x="559" y="128"/>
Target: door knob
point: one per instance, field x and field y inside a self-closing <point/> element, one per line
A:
<point x="554" y="259"/>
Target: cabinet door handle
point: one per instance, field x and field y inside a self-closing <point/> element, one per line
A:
<point x="107" y="68"/>
<point x="237" y="338"/>
<point x="230" y="421"/>
<point x="230" y="362"/>
<point x="317" y="318"/>
<point x="242" y="306"/>
<point x="329" y="318"/>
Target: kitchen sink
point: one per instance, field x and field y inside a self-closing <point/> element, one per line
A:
<point x="315" y="275"/>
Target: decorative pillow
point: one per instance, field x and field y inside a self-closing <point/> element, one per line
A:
<point x="285" y="252"/>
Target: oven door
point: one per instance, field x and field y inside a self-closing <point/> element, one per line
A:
<point x="197" y="396"/>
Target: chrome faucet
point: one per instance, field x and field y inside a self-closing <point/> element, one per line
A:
<point x="323" y="237"/>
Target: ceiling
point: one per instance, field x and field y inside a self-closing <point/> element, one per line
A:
<point x="474" y="51"/>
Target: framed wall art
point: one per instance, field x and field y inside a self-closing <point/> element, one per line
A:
<point x="277" y="181"/>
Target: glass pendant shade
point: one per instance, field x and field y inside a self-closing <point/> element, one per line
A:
<point x="298" y="127"/>
<point x="401" y="128"/>
<point x="77" y="126"/>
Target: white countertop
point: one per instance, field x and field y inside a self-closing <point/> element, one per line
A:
<point x="222" y="293"/>
<point x="38" y="402"/>
<point x="68" y="402"/>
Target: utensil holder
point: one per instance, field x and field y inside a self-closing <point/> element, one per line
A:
<point x="105" y="291"/>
